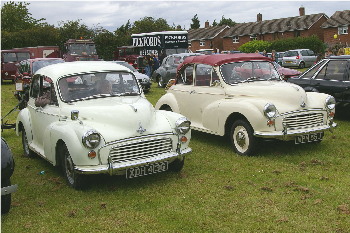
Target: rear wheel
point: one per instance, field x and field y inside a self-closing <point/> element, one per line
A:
<point x="242" y="138"/>
<point x="301" y="65"/>
<point x="75" y="180"/>
<point x="27" y="151"/>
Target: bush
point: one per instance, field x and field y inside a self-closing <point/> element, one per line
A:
<point x="312" y="42"/>
<point x="255" y="45"/>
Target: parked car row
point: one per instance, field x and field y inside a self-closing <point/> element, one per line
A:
<point x="93" y="117"/>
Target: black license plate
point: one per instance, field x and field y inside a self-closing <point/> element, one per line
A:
<point x="312" y="137"/>
<point x="146" y="169"/>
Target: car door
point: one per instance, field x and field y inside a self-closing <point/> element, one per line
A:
<point x="42" y="117"/>
<point x="202" y="105"/>
<point x="333" y="79"/>
<point x="171" y="68"/>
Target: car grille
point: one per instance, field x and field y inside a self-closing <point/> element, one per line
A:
<point x="141" y="149"/>
<point x="300" y="121"/>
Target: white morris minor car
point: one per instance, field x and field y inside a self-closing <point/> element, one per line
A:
<point x="243" y="96"/>
<point x="93" y="118"/>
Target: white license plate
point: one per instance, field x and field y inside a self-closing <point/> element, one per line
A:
<point x="146" y="169"/>
<point x="312" y="137"/>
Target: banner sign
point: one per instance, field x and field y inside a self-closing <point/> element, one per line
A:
<point x="160" y="41"/>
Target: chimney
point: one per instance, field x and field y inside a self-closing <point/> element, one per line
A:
<point x="206" y="24"/>
<point x="301" y="11"/>
<point x="259" y="17"/>
<point x="178" y="27"/>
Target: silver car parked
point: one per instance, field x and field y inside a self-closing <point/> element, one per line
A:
<point x="299" y="58"/>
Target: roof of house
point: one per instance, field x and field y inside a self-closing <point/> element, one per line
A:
<point x="339" y="18"/>
<point x="274" y="25"/>
<point x="205" y="33"/>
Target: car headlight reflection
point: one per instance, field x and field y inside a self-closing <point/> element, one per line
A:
<point x="270" y="111"/>
<point x="330" y="102"/>
<point x="182" y="125"/>
<point x="91" y="139"/>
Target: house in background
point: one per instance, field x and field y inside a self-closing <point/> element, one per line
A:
<point x="269" y="30"/>
<point x="209" y="37"/>
<point x="336" y="29"/>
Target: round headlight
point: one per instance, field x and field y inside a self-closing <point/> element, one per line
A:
<point x="330" y="102"/>
<point x="182" y="125"/>
<point x="270" y="111"/>
<point x="91" y="139"/>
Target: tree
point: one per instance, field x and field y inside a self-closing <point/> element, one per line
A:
<point x="106" y="42"/>
<point x="228" y="22"/>
<point x="149" y="24"/>
<point x="195" y="22"/>
<point x="16" y="17"/>
<point x="73" y="29"/>
<point x="214" y="23"/>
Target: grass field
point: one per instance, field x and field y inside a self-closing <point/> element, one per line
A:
<point x="284" y="188"/>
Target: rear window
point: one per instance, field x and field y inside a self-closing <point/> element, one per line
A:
<point x="291" y="54"/>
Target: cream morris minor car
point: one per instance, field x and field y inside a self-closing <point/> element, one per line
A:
<point x="92" y="118"/>
<point x="243" y="96"/>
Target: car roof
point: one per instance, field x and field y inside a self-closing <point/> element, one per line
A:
<point x="59" y="70"/>
<point x="339" y="57"/>
<point x="219" y="59"/>
<point x="185" y="54"/>
<point x="43" y="59"/>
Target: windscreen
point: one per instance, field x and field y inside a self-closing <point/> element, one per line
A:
<point x="98" y="85"/>
<point x="249" y="71"/>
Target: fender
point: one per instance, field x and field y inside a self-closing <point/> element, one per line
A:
<point x="246" y="108"/>
<point x="170" y="100"/>
<point x="24" y="119"/>
<point x="71" y="134"/>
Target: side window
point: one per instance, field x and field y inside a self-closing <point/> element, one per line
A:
<point x="304" y="53"/>
<point x="311" y="53"/>
<point x="334" y="70"/>
<point x="311" y="73"/>
<point x="214" y="77"/>
<point x="43" y="91"/>
<point x="35" y="87"/>
<point x="203" y="75"/>
<point x="170" y="61"/>
<point x="187" y="75"/>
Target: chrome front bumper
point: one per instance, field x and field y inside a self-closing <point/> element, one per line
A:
<point x="120" y="168"/>
<point x="286" y="135"/>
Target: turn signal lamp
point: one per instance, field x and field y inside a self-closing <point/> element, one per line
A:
<point x="92" y="154"/>
<point x="183" y="139"/>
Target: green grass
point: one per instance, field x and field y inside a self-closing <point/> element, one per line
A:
<point x="284" y="188"/>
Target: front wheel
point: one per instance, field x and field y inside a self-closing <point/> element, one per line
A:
<point x="160" y="81"/>
<point x="242" y="138"/>
<point x="177" y="165"/>
<point x="75" y="180"/>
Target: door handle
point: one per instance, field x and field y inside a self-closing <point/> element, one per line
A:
<point x="192" y="92"/>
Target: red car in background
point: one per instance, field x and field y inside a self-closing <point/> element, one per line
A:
<point x="286" y="73"/>
<point x="9" y="60"/>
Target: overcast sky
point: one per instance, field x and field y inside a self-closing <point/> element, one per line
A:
<point x="112" y="14"/>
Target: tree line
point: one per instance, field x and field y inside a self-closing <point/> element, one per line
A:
<point x="20" y="29"/>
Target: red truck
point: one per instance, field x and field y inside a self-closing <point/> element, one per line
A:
<point x="80" y="50"/>
<point x="9" y="59"/>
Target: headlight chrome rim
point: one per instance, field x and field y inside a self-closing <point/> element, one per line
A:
<point x="270" y="111"/>
<point x="91" y="139"/>
<point x="330" y="102"/>
<point x="182" y="125"/>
